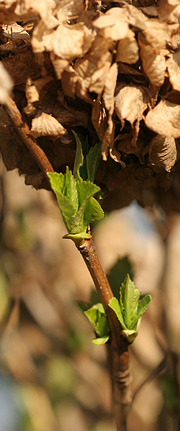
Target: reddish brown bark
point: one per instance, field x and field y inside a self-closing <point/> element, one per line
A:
<point x="118" y="352"/>
<point x="23" y="131"/>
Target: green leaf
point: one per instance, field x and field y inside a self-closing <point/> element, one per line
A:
<point x="143" y="305"/>
<point x="129" y="309"/>
<point x="129" y="299"/>
<point x="114" y="304"/>
<point x="86" y="190"/>
<point x="78" y="158"/>
<point x="98" y="319"/>
<point x="67" y="204"/>
<point x="97" y="211"/>
<point x="70" y="189"/>
<point x="100" y="340"/>
<point x="93" y="158"/>
<point x="57" y="181"/>
<point x="67" y="210"/>
<point x="83" y="216"/>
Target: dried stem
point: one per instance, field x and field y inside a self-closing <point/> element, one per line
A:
<point x="118" y="354"/>
<point x="23" y="131"/>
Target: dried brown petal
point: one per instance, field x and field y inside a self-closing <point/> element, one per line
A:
<point x="108" y="97"/>
<point x="130" y="103"/>
<point x="109" y="88"/>
<point x="42" y="38"/>
<point x="59" y="64"/>
<point x="108" y="139"/>
<point x="127" y="49"/>
<point x="96" y="82"/>
<point x="32" y="91"/>
<point x="150" y="10"/>
<point x="162" y="153"/>
<point x="69" y="79"/>
<point x="15" y="32"/>
<point x="32" y="96"/>
<point x="81" y="36"/>
<point x="91" y="71"/>
<point x="164" y="119"/>
<point x="173" y="67"/>
<point x="153" y="65"/>
<point x="46" y="125"/>
<point x="71" y="8"/>
<point x="169" y="10"/>
<point x="41" y="7"/>
<point x="136" y="18"/>
<point x="156" y="34"/>
<point x="99" y="118"/>
<point x="113" y="24"/>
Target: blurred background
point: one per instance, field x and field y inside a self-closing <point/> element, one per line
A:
<point x="52" y="377"/>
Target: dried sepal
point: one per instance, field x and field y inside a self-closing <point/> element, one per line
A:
<point x="46" y="125"/>
<point x="162" y="153"/>
<point x="164" y="119"/>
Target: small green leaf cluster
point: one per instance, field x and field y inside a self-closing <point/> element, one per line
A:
<point x="130" y="308"/>
<point x="98" y="319"/>
<point x="128" y="311"/>
<point x="75" y="196"/>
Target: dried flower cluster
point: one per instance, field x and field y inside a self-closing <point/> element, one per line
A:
<point x="110" y="67"/>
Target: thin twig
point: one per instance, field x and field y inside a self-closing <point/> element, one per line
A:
<point x="24" y="133"/>
<point x="154" y="373"/>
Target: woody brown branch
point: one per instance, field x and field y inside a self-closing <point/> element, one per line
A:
<point x="23" y="132"/>
<point x="118" y="352"/>
<point x="118" y="348"/>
